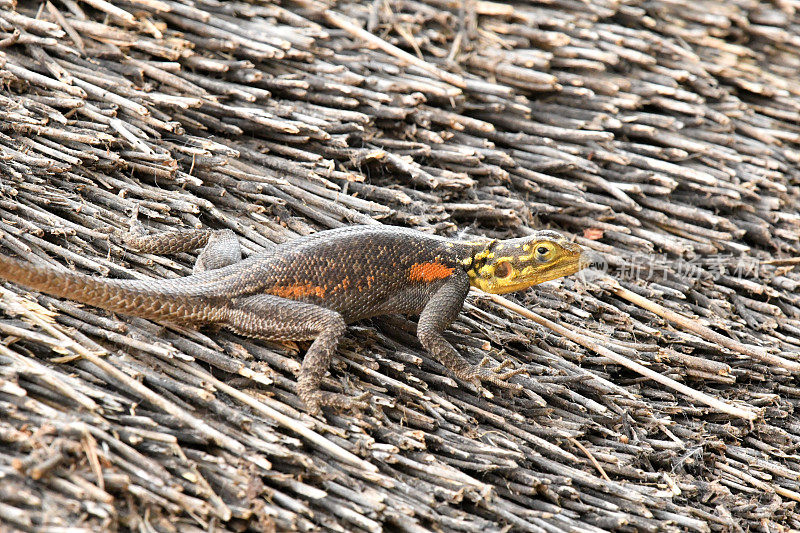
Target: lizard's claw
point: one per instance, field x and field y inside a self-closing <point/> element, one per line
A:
<point x="505" y="364"/>
<point x="134" y="218"/>
<point x="135" y="231"/>
<point x="340" y="402"/>
<point x="361" y="402"/>
<point x="480" y="373"/>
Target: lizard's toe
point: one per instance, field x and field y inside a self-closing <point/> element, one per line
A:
<point x="361" y="402"/>
<point x="486" y="361"/>
<point x="312" y="406"/>
<point x="480" y="373"/>
<point x="339" y="402"/>
<point x="513" y="372"/>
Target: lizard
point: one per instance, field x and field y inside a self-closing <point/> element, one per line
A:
<point x="310" y="288"/>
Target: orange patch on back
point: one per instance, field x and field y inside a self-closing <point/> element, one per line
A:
<point x="298" y="290"/>
<point x="429" y="272"/>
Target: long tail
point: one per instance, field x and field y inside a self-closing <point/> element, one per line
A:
<point x="169" y="300"/>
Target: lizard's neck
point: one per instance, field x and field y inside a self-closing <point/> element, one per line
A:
<point x="475" y="253"/>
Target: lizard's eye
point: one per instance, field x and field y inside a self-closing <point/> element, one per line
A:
<point x="544" y="253"/>
<point x="503" y="269"/>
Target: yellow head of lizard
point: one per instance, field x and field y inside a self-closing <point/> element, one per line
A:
<point x="516" y="264"/>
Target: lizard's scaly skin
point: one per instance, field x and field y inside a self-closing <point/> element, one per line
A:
<point x="310" y="288"/>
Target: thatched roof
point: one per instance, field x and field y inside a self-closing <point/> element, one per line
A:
<point x="664" y="135"/>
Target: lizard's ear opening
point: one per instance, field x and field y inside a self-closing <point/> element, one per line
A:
<point x="503" y="270"/>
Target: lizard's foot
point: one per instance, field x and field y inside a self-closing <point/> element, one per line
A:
<point x="317" y="399"/>
<point x="480" y="373"/>
<point x="134" y="233"/>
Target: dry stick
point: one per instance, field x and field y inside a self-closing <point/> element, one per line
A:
<point x="636" y="367"/>
<point x="34" y="313"/>
<point x="783" y="262"/>
<point x="74" y="35"/>
<point x="756" y="352"/>
<point x="591" y="457"/>
<point x="358" y="32"/>
<point x="47" y="377"/>
<point x="111" y="9"/>
<point x="285" y="421"/>
<point x="744" y="476"/>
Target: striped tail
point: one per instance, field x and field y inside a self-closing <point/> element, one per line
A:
<point x="151" y="299"/>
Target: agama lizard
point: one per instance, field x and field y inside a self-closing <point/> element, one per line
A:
<point x="311" y="287"/>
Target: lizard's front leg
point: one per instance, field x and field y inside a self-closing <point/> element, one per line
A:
<point x="441" y="310"/>
<point x="275" y="318"/>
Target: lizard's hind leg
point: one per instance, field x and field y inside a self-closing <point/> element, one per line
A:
<point x="275" y="318"/>
<point x="220" y="247"/>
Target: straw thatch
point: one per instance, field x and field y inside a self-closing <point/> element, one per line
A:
<point x="664" y="134"/>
